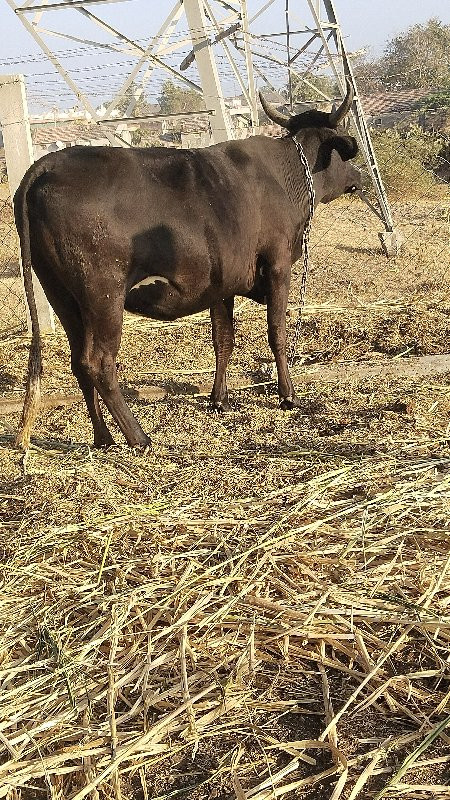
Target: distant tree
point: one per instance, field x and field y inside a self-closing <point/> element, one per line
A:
<point x="367" y="72"/>
<point x="134" y="94"/>
<point x="175" y="100"/>
<point x="438" y="98"/>
<point x="417" y="58"/>
<point x="301" y="91"/>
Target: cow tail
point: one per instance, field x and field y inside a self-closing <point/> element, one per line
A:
<point x="33" y="385"/>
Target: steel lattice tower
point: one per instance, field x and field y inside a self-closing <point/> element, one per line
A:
<point x="212" y="26"/>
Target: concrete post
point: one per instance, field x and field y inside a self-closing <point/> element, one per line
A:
<point x="19" y="156"/>
<point x="221" y="126"/>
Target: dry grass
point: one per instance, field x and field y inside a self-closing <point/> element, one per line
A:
<point x="259" y="607"/>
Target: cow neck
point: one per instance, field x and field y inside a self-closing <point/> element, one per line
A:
<point x="308" y="176"/>
<point x="294" y="175"/>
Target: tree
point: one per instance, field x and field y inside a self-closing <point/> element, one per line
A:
<point x="367" y="72"/>
<point x="437" y="99"/>
<point x="418" y="57"/>
<point x="175" y="100"/>
<point x="301" y="91"/>
<point x="134" y="94"/>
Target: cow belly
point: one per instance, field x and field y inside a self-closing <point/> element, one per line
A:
<point x="158" y="298"/>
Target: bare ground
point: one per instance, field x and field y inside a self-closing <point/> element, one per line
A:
<point x="293" y="567"/>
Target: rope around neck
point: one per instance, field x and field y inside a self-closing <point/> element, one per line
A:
<point x="305" y="248"/>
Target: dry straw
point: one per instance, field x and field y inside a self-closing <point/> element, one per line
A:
<point x="259" y="607"/>
<point x="140" y="636"/>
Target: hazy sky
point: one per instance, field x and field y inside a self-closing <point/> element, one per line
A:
<point x="365" y="23"/>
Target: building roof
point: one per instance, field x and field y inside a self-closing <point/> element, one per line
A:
<point x="69" y="132"/>
<point x="392" y="102"/>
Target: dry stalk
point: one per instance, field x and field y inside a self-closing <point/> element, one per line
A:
<point x="249" y="562"/>
<point x="111" y="700"/>
<point x="88" y="761"/>
<point x="185" y="687"/>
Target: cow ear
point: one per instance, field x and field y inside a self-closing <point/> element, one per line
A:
<point x="346" y="146"/>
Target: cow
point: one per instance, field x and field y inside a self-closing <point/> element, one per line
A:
<point x="166" y="233"/>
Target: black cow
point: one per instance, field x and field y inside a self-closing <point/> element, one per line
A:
<point x="166" y="233"/>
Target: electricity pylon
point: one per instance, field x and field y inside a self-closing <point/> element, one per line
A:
<point x="233" y="28"/>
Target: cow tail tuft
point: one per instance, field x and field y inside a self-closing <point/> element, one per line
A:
<point x="33" y="385"/>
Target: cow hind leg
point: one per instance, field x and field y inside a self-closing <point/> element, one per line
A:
<point x="75" y="335"/>
<point x="102" y="434"/>
<point x="102" y="334"/>
<point x="69" y="315"/>
<point x="223" y="341"/>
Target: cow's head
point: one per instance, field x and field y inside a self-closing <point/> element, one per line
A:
<point x="327" y="145"/>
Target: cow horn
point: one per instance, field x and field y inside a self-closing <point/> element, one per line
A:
<point x="273" y="113"/>
<point x="338" y="114"/>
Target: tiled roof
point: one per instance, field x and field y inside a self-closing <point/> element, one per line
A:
<point x="392" y="102"/>
<point x="194" y="124"/>
<point x="69" y="132"/>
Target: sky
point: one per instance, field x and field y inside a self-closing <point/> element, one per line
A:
<point x="365" y="24"/>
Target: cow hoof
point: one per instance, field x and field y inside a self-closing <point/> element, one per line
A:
<point x="141" y="444"/>
<point x="221" y="406"/>
<point x="142" y="447"/>
<point x="104" y="442"/>
<point x="288" y="403"/>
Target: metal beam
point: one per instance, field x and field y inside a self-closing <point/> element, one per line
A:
<point x="159" y="39"/>
<point x="139" y="50"/>
<point x="32" y="31"/>
<point x="261" y="11"/>
<point x="291" y="70"/>
<point x="221" y="126"/>
<point x="361" y="124"/>
<point x="249" y="65"/>
<point x="221" y="33"/>
<point x="114" y="139"/>
<point x="150" y="117"/>
<point x="223" y="43"/>
<point x="63" y="5"/>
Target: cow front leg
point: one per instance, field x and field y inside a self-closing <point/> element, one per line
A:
<point x="223" y="341"/>
<point x="278" y="281"/>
